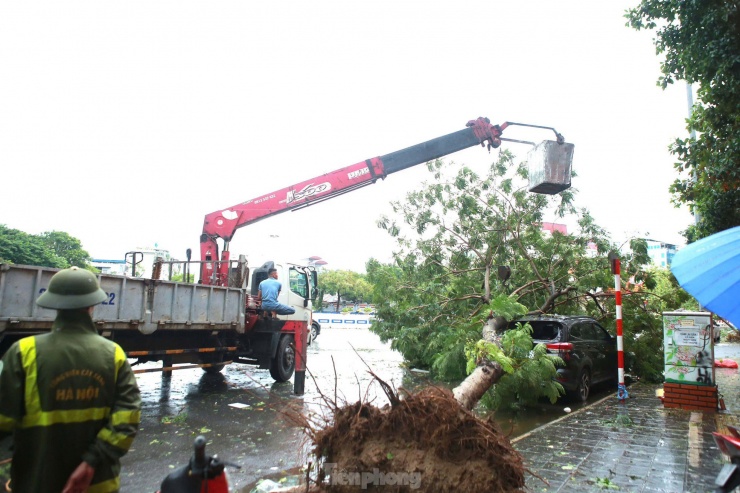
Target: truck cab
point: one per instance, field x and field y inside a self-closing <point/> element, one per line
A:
<point x="296" y="287"/>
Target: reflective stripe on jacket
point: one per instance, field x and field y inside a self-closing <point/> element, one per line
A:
<point x="68" y="396"/>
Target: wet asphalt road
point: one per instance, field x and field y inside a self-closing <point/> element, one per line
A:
<point x="258" y="437"/>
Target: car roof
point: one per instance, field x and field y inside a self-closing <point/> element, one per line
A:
<point x="553" y="317"/>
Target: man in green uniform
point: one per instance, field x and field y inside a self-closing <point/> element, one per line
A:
<point x="69" y="397"/>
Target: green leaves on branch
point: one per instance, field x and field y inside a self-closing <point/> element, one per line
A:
<point x="443" y="289"/>
<point x="699" y="42"/>
<point x="505" y="306"/>
<point x="529" y="370"/>
<point x="49" y="249"/>
<point x="487" y="350"/>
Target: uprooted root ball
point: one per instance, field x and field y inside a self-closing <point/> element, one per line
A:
<point x="423" y="442"/>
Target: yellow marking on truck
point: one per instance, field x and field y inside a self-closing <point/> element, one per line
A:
<point x="133" y="354"/>
<point x="183" y="367"/>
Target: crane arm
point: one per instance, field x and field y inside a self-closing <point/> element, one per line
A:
<point x="224" y="223"/>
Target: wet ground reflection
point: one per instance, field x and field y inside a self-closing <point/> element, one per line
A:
<point x="244" y="414"/>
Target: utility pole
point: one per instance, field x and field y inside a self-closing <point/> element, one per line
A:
<point x="692" y="131"/>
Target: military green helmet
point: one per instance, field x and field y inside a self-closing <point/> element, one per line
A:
<point x="72" y="288"/>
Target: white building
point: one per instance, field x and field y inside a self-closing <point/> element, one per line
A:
<point x="661" y="253"/>
<point x="105" y="266"/>
<point x="144" y="259"/>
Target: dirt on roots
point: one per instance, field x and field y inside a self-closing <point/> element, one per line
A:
<point x="422" y="442"/>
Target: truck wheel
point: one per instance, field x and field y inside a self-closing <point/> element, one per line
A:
<point x="213" y="370"/>
<point x="283" y="364"/>
<point x="213" y="360"/>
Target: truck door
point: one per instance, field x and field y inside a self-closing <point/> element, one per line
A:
<point x="299" y="289"/>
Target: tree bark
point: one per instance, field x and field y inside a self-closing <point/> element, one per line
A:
<point x="470" y="391"/>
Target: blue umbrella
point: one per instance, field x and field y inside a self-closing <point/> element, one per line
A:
<point x="709" y="270"/>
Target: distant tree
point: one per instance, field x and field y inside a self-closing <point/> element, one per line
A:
<point x="700" y="43"/>
<point x="180" y="277"/>
<point x="67" y="247"/>
<point x="345" y="284"/>
<point x="22" y="248"/>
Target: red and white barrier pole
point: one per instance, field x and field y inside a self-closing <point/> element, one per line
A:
<point x="616" y="270"/>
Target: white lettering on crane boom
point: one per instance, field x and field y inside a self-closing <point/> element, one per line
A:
<point x="307" y="191"/>
<point x="358" y="173"/>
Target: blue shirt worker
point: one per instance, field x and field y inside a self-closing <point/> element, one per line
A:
<point x="68" y="397"/>
<point x="269" y="290"/>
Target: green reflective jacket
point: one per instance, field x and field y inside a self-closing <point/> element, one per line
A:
<point x="67" y="396"/>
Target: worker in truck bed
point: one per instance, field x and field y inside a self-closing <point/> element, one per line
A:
<point x="269" y="290"/>
<point x="69" y="397"/>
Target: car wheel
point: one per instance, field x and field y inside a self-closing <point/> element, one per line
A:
<point x="283" y="364"/>
<point x="314" y="332"/>
<point x="584" y="385"/>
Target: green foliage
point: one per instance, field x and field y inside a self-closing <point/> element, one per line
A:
<point x="67" y="247"/>
<point x="605" y="484"/>
<point x="181" y="277"/>
<point x="643" y="321"/>
<point x="178" y="419"/>
<point x="506" y="306"/>
<point x="700" y="43"/>
<point x="345" y="284"/>
<point x="454" y="233"/>
<point x="22" y="248"/>
<point x="530" y="370"/>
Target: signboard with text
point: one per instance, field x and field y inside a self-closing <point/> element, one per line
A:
<point x="689" y="348"/>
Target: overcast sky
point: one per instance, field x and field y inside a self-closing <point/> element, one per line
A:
<point x="125" y="123"/>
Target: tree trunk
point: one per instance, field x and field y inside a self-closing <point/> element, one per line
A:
<point x="470" y="391"/>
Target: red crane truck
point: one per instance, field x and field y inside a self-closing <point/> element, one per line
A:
<point x="218" y="320"/>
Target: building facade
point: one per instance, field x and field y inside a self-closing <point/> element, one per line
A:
<point x="661" y="253"/>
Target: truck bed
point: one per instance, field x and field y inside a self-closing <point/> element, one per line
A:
<point x="133" y="304"/>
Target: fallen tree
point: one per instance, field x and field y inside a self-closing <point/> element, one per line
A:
<point x="422" y="441"/>
<point x="480" y="256"/>
<point x="429" y="440"/>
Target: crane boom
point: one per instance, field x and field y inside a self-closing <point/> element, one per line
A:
<point x="224" y="223"/>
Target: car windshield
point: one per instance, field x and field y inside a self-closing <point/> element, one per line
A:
<point x="542" y="330"/>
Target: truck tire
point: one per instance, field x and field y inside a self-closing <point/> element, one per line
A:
<point x="215" y="369"/>
<point x="283" y="364"/>
<point x="213" y="359"/>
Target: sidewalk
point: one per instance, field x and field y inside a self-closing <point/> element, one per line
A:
<point x="635" y="446"/>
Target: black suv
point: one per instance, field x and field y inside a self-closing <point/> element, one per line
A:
<point x="587" y="349"/>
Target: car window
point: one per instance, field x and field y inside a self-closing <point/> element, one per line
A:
<point x="601" y="332"/>
<point x="583" y="331"/>
<point x="545" y="331"/>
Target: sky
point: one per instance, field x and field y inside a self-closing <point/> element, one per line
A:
<point x="125" y="123"/>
